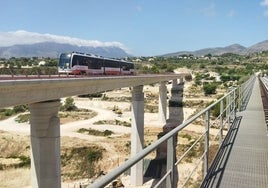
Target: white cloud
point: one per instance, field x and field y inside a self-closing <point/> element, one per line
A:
<point x="25" y="37"/>
<point x="264" y="3"/>
<point x="209" y="11"/>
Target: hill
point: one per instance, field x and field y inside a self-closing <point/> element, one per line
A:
<point x="235" y="48"/>
<point x="53" y="49"/>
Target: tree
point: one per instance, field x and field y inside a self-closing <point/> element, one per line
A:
<point x="69" y="104"/>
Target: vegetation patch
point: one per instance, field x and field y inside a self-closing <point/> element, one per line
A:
<point x="14" y="151"/>
<point x="95" y="132"/>
<point x="113" y="122"/>
<point x="15" y="162"/>
<point x="151" y="108"/>
<point x="23" y="118"/>
<point x="6" y="113"/>
<point x="210" y="88"/>
<point x="81" y="162"/>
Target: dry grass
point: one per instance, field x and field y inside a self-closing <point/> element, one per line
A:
<point x="15" y="178"/>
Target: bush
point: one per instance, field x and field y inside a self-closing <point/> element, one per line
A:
<point x="210" y="88"/>
<point x="9" y="112"/>
<point x="23" y="118"/>
<point x="25" y="161"/>
<point x="188" y="77"/>
<point x="69" y="105"/>
<point x="95" y="132"/>
<point x="20" y="108"/>
<point x="93" y="95"/>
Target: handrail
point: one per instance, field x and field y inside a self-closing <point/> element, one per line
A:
<point x="233" y="100"/>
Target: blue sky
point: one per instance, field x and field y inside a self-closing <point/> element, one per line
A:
<point x="143" y="27"/>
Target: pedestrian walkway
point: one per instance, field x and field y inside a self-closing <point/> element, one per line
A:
<point x="242" y="161"/>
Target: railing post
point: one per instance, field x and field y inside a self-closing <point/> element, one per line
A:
<point x="221" y="122"/>
<point x="207" y="114"/>
<point x="239" y="98"/>
<point x="228" y="109"/>
<point x="234" y="103"/>
<point x="170" y="161"/>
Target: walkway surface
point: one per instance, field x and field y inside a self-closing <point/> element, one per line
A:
<point x="243" y="158"/>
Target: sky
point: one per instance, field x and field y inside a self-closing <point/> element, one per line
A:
<point x="141" y="27"/>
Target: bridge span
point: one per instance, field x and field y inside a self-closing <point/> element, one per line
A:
<point x="43" y="97"/>
<point x="27" y="91"/>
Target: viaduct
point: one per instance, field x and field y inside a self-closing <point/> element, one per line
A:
<point x="43" y="97"/>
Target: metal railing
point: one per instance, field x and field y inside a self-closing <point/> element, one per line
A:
<point x="217" y="117"/>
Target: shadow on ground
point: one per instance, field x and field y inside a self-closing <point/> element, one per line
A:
<point x="216" y="171"/>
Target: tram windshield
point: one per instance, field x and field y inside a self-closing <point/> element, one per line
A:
<point x="65" y="60"/>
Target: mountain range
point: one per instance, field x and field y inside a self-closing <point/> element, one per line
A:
<point x="234" y="48"/>
<point x="54" y="49"/>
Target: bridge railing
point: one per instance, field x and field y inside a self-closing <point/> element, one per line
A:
<point x="214" y="122"/>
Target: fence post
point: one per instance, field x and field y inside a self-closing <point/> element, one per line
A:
<point x="221" y="122"/>
<point x="234" y="103"/>
<point x="228" y="107"/>
<point x="206" y="143"/>
<point x="239" y="98"/>
<point x="170" y="161"/>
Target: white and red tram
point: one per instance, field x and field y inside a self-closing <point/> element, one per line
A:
<point x="80" y="63"/>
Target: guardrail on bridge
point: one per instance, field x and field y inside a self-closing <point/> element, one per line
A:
<point x="220" y="115"/>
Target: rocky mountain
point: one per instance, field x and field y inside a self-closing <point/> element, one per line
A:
<point x="53" y="49"/>
<point x="261" y="46"/>
<point x="235" y="48"/>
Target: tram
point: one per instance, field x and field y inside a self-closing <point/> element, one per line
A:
<point x="87" y="64"/>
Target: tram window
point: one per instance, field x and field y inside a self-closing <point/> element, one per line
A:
<point x="131" y="65"/>
<point x="94" y="63"/>
<point x="64" y="60"/>
<point x="83" y="61"/>
<point x="75" y="60"/>
<point x="124" y="66"/>
<point x="110" y="63"/>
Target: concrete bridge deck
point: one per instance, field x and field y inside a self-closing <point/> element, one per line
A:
<point x="242" y="160"/>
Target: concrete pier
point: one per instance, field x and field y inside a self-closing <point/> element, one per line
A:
<point x="45" y="144"/>
<point x="137" y="133"/>
<point x="162" y="107"/>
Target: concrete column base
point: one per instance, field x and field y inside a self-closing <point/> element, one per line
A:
<point x="162" y="106"/>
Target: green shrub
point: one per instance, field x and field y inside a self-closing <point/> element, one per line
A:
<point x="23" y="118"/>
<point x="9" y="112"/>
<point x="95" y="132"/>
<point x="210" y="88"/>
<point x="25" y="161"/>
<point x="69" y="105"/>
<point x="20" y="108"/>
